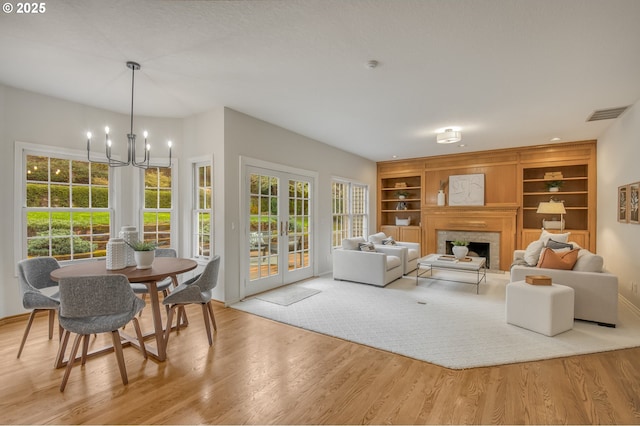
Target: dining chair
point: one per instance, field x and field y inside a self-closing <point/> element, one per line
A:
<point x="33" y="275"/>
<point x="197" y="290"/>
<point x="96" y="304"/>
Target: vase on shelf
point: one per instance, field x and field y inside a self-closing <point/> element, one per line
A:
<point x="441" y="197"/>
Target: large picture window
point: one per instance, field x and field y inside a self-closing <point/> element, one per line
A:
<point x="66" y="208"/>
<point x="158" y="206"/>
<point x="350" y="205"/>
<point x="203" y="211"/>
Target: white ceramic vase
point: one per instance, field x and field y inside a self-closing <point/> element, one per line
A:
<point x="130" y="235"/>
<point x="116" y="254"/>
<point x="460" y="251"/>
<point x="441" y="197"/>
<point x="144" y="259"/>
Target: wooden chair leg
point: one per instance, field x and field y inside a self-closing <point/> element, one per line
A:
<point x="117" y="347"/>
<point x="64" y="339"/>
<point x="72" y="357"/>
<point x="85" y="349"/>
<point x="136" y="325"/>
<point x="144" y="299"/>
<point x="26" y="331"/>
<point x="167" y="330"/>
<point x="52" y="319"/>
<point x="207" y="323"/>
<point x="183" y="315"/>
<point x="213" y="318"/>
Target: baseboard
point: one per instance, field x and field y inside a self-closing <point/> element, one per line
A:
<point x="14" y="318"/>
<point x="635" y="309"/>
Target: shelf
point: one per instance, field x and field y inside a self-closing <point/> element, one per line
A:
<point x="551" y="180"/>
<point x="557" y="193"/>
<point x="401" y="189"/>
<point x="398" y="200"/>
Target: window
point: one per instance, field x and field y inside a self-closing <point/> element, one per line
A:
<point x="350" y="206"/>
<point x="66" y="206"/>
<point x="158" y="206"/>
<point x="203" y="211"/>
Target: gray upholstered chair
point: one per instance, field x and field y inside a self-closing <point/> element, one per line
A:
<point x="196" y="290"/>
<point x="33" y="275"/>
<point x="97" y="304"/>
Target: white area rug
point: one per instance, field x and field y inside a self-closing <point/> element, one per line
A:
<point x="288" y="295"/>
<point x="441" y="322"/>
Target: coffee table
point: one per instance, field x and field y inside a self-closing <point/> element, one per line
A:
<point x="448" y="262"/>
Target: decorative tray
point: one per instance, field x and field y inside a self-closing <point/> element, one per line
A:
<point x="452" y="258"/>
<point x="538" y="279"/>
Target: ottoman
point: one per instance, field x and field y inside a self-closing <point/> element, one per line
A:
<point x="545" y="309"/>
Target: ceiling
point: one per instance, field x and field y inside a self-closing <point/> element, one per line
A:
<point x="507" y="72"/>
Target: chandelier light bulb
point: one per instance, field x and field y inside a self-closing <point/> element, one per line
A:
<point x="109" y="143"/>
<point x="148" y="147"/>
<point x="88" y="135"/>
<point x="106" y="130"/>
<point x="145" y="134"/>
<point x="170" y="144"/>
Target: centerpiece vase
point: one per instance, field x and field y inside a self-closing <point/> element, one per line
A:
<point x="460" y="251"/>
<point x="144" y="259"/>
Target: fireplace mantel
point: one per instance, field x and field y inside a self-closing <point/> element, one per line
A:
<point x="500" y="219"/>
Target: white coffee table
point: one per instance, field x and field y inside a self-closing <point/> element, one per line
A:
<point x="477" y="265"/>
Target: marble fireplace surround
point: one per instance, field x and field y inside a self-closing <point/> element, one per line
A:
<point x="494" y="225"/>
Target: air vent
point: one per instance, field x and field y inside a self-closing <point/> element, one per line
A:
<point x="607" y="114"/>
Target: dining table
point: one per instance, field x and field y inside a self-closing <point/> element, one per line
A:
<point x="162" y="268"/>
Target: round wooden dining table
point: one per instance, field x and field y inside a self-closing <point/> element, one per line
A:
<point x="163" y="267"/>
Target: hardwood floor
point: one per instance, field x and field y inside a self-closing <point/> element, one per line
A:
<point x="263" y="372"/>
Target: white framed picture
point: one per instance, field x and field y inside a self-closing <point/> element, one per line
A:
<point x="466" y="190"/>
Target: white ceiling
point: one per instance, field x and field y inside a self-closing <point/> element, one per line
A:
<point x="508" y="72"/>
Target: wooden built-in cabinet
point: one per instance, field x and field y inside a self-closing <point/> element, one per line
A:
<point x="515" y="179"/>
<point x="391" y="207"/>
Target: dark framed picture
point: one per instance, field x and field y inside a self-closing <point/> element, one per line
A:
<point x="632" y="204"/>
<point x="623" y="203"/>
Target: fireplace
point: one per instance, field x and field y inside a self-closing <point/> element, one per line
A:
<point x="481" y="244"/>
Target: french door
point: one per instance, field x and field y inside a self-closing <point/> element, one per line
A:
<point x="278" y="223"/>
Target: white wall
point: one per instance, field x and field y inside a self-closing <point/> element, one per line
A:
<point x="250" y="137"/>
<point x="618" y="159"/>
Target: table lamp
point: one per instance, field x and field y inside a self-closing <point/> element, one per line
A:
<point x="553" y="207"/>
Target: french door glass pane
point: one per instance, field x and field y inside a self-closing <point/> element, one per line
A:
<point x="263" y="226"/>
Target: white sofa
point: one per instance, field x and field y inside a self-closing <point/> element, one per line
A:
<point x="377" y="268"/>
<point x="408" y="252"/>
<point x="596" y="291"/>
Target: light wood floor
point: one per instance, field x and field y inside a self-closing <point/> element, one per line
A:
<point x="263" y="372"/>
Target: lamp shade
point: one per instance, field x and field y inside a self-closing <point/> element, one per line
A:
<point x="550" y="207"/>
<point x="449" y="136"/>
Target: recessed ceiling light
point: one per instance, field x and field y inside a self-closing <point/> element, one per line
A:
<point x="371" y="64"/>
<point x="556" y="139"/>
<point x="394" y="156"/>
<point x="462" y="145"/>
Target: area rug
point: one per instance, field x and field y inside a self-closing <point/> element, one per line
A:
<point x="288" y="295"/>
<point x="437" y="321"/>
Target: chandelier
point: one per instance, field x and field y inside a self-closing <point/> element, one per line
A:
<point x="131" y="145"/>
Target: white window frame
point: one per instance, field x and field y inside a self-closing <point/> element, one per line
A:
<point x="174" y="204"/>
<point x="196" y="210"/>
<point x="22" y="149"/>
<point x="349" y="213"/>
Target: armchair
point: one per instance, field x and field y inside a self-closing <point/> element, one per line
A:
<point x="408" y="252"/>
<point x="377" y="268"/>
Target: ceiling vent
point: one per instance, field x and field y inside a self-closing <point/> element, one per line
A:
<point x="607" y="114"/>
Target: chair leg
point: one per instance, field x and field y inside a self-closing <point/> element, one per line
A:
<point x="167" y="331"/>
<point x="213" y="318"/>
<point x="144" y="299"/>
<point x="85" y="349"/>
<point x="26" y="331"/>
<point x="136" y="325"/>
<point x="52" y="319"/>
<point x="64" y="339"/>
<point x="72" y="357"/>
<point x="117" y="346"/>
<point x="207" y="323"/>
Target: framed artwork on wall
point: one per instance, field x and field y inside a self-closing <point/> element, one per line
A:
<point x="623" y="203"/>
<point x="466" y="190"/>
<point x="634" y="190"/>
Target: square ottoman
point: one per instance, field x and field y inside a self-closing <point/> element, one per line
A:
<point x="545" y="309"/>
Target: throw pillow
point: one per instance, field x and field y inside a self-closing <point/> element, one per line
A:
<point x="377" y="238"/>
<point x="546" y="236"/>
<point x="588" y="262"/>
<point x="556" y="245"/>
<point x="532" y="253"/>
<point x="389" y="242"/>
<point x="367" y="247"/>
<point x="551" y="260"/>
<point x="352" y="243"/>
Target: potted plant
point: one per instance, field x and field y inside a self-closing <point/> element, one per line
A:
<point x="402" y="194"/>
<point x="554" y="185"/>
<point x="460" y="248"/>
<point x="144" y="252"/>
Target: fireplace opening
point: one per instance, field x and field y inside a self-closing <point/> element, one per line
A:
<point x="476" y="250"/>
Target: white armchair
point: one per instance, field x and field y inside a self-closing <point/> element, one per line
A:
<point x="409" y="253"/>
<point x="376" y="268"/>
